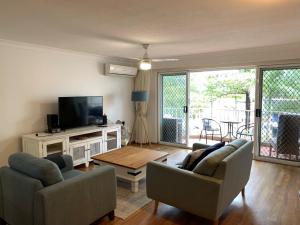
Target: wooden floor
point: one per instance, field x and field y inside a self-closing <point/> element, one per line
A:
<point x="271" y="199"/>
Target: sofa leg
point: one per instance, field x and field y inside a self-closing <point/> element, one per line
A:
<point x="243" y="192"/>
<point x="111" y="215"/>
<point x="155" y="206"/>
<point x="216" y="222"/>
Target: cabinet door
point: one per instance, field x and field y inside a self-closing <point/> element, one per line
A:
<point x="95" y="147"/>
<point x="112" y="139"/>
<point x="57" y="146"/>
<point x="79" y="153"/>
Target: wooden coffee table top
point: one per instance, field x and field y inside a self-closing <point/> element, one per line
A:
<point x="130" y="157"/>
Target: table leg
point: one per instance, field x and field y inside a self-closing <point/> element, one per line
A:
<point x="134" y="186"/>
<point x="230" y="131"/>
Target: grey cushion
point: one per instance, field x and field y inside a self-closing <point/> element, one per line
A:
<point x="42" y="169"/>
<point x="57" y="159"/>
<point x="71" y="173"/>
<point x="69" y="163"/>
<point x="237" y="143"/>
<point x="209" y="164"/>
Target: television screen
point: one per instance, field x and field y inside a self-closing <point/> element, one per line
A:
<point x="80" y="111"/>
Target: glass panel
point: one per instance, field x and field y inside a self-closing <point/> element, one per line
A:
<point x="95" y="148"/>
<point x="79" y="153"/>
<point x="173" y="114"/>
<point x="112" y="142"/>
<point x="280" y="121"/>
<point x="221" y="105"/>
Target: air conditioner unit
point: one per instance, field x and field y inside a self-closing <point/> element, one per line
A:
<point x="117" y="70"/>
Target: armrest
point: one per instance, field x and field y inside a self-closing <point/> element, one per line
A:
<point x="183" y="189"/>
<point x="80" y="200"/>
<point x="199" y="146"/>
<point x="69" y="163"/>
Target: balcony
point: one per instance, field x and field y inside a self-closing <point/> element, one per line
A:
<point x="196" y="114"/>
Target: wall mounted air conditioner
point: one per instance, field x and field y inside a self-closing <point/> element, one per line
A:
<point x="117" y="70"/>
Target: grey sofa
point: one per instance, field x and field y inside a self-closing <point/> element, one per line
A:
<point x="35" y="191"/>
<point x="203" y="195"/>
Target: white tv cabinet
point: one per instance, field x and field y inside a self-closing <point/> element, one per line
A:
<point x="80" y="143"/>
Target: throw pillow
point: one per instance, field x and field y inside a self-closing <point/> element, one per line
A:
<point x="57" y="159"/>
<point x="209" y="165"/>
<point x="41" y="169"/>
<point x="237" y="143"/>
<point x="207" y="151"/>
<point x="190" y="158"/>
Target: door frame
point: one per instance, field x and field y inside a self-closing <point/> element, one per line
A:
<point x="159" y="106"/>
<point x="258" y="106"/>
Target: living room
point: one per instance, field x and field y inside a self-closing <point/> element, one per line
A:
<point x="197" y="74"/>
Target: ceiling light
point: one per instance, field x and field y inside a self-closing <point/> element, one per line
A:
<point x="145" y="64"/>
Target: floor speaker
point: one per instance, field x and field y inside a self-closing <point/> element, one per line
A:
<point x="104" y="118"/>
<point x="53" y="124"/>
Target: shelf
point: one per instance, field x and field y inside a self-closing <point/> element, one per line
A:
<point x="110" y="138"/>
<point x="83" y="137"/>
<point x="54" y="152"/>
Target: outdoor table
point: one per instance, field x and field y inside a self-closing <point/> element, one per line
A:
<point x="230" y="124"/>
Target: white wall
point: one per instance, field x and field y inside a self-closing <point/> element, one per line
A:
<point x="31" y="79"/>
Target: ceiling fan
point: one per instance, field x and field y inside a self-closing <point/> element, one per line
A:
<point x="145" y="63"/>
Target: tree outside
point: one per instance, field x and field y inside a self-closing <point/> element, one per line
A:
<point x="235" y="87"/>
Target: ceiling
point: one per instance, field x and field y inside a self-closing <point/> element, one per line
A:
<point x="174" y="27"/>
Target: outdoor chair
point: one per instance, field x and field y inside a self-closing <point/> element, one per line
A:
<point x="245" y="131"/>
<point x="287" y="139"/>
<point x="210" y="127"/>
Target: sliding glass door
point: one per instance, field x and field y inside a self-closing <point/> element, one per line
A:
<point x="206" y="107"/>
<point x="278" y="114"/>
<point x="173" y="108"/>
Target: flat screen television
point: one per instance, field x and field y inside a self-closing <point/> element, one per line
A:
<point x="80" y="111"/>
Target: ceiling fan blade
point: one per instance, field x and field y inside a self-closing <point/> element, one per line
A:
<point x="165" y="60"/>
<point x="138" y="59"/>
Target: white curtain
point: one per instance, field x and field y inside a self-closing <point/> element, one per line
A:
<point x="142" y="83"/>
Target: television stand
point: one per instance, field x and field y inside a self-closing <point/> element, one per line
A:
<point x="81" y="143"/>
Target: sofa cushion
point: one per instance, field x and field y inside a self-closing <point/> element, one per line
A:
<point x="237" y="143"/>
<point x="190" y="158"/>
<point x="71" y="174"/>
<point x="57" y="159"/>
<point x="207" y="151"/>
<point x="210" y="163"/>
<point x="42" y="169"/>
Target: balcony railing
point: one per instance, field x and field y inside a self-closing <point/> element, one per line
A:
<point x="218" y="114"/>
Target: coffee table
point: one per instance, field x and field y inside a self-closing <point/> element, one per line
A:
<point x="130" y="162"/>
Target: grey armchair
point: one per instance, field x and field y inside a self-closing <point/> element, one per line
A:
<point x="35" y="191"/>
